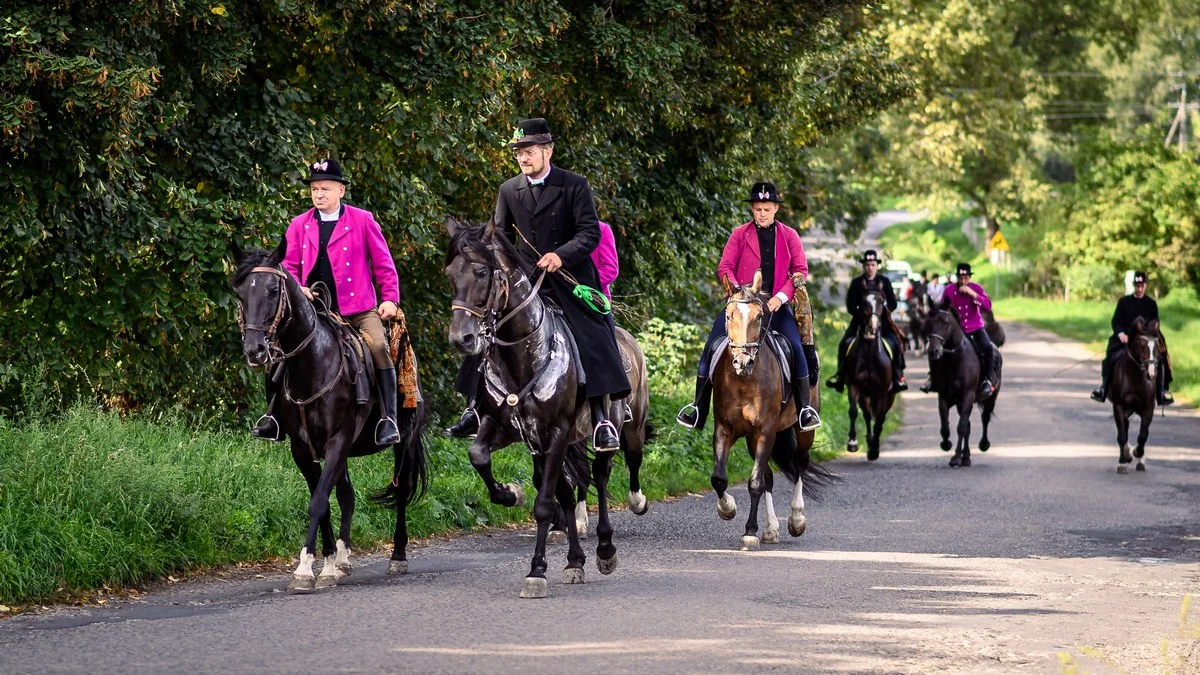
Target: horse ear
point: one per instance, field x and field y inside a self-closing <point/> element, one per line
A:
<point x="452" y="226"/>
<point x="489" y="230"/>
<point x="1139" y="324"/>
<point x="728" y="286"/>
<point x="757" y="283"/>
<point x="1152" y="326"/>
<point x="279" y="253"/>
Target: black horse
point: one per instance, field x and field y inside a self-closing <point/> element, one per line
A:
<point x="532" y="391"/>
<point x="920" y="318"/>
<point x="954" y="368"/>
<point x="320" y="412"/>
<point x="1132" y="387"/>
<point x="868" y="371"/>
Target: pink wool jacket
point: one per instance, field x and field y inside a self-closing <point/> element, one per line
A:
<point x="358" y="255"/>
<point x="604" y="256"/>
<point x="742" y="258"/>
<point x="968" y="308"/>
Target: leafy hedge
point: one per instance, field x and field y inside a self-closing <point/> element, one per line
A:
<point x="140" y="138"/>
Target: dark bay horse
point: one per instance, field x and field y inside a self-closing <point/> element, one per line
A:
<point x="1132" y="388"/>
<point x="748" y="390"/>
<point x="920" y="318"/>
<point x="954" y="369"/>
<point x="320" y="414"/>
<point x="532" y="392"/>
<point x="868" y="371"/>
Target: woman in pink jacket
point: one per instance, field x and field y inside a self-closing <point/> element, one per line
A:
<point x="604" y="256"/>
<point x="342" y="247"/>
<point x="774" y="248"/>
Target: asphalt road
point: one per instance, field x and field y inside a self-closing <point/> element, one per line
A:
<point x="1037" y="555"/>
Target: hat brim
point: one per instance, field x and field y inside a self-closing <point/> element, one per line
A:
<point x="773" y="201"/>
<point x="867" y="260"/>
<point x="325" y="176"/>
<point x="534" y="139"/>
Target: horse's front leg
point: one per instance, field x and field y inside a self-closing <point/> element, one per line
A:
<point x="480" y="453"/>
<point x="759" y="445"/>
<point x="872" y="446"/>
<point x="311" y="471"/>
<point x="545" y="507"/>
<point x="771" y="535"/>
<point x="988" y="407"/>
<point x="606" y="552"/>
<point x="337" y="566"/>
<point x="881" y="410"/>
<point x="1122" y="419"/>
<point x="565" y="493"/>
<point x="962" y="452"/>
<point x="318" y="507"/>
<point x="726" y="506"/>
<point x="1143" y="434"/>
<point x="944" y="421"/>
<point x="852" y="411"/>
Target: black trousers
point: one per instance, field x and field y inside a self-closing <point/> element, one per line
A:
<point x="983" y="347"/>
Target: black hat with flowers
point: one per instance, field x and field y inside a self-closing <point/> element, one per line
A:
<point x="326" y="169"/>
<point x="534" y="131"/>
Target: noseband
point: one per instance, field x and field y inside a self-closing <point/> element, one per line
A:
<point x="274" y="352"/>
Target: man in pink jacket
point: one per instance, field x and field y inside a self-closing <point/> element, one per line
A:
<point x="342" y="248"/>
<point x="774" y="248"/>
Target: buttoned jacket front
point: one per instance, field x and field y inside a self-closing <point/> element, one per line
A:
<point x="741" y="258"/>
<point x="362" y="265"/>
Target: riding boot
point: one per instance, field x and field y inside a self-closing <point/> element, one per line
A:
<point x="604" y="438"/>
<point x="1100" y="394"/>
<point x="695" y="414"/>
<point x="386" y="431"/>
<point x="1164" y="381"/>
<point x="466" y="426"/>
<point x="809" y="418"/>
<point x="898" y="382"/>
<point x="836" y="382"/>
<point x="267" y="427"/>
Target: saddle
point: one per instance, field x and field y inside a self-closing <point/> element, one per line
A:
<point x="887" y="347"/>
<point x="356" y="349"/>
<point x="778" y="345"/>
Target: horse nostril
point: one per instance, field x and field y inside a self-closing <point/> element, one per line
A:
<point x="468" y="340"/>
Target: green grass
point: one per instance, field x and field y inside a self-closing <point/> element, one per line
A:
<point x="1088" y="322"/>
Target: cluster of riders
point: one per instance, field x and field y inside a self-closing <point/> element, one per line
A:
<point x="545" y="365"/>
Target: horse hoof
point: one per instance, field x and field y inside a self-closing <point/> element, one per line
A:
<point x="581" y="520"/>
<point x="1121" y="468"/>
<point x="750" y="543"/>
<point x="556" y="537"/>
<point x="397" y="567"/>
<point x="535" y="587"/>
<point x="945" y="446"/>
<point x="1140" y="466"/>
<point x="573" y="575"/>
<point x="966" y="460"/>
<point x="852" y="446"/>
<point x="302" y="584"/>
<point x="726" y="507"/>
<point x="956" y="461"/>
<point x="517" y="491"/>
<point x="770" y="537"/>
<point x="606" y="566"/>
<point x="638" y="503"/>
<point x="327" y="581"/>
<point x="984" y="444"/>
<point x="872" y="454"/>
<point x="797" y="524"/>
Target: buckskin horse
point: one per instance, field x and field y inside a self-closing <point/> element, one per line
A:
<point x="533" y="393"/>
<point x="748" y="393"/>
<point x="868" y="371"/>
<point x="320" y="412"/>
<point x="1132" y="388"/>
<point x="954" y="370"/>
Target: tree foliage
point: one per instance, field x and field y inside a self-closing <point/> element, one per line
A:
<point x="141" y="138"/>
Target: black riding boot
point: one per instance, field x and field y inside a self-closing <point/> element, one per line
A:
<point x="466" y="426"/>
<point x="604" y="438"/>
<point x="809" y="419"/>
<point x="836" y="382"/>
<point x="1100" y="393"/>
<point x="267" y="427"/>
<point x="386" y="431"/>
<point x="695" y="414"/>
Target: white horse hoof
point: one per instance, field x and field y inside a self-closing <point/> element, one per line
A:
<point x="535" y="587"/>
<point x="638" y="504"/>
<point x="302" y="584"/>
<point x="726" y="507"/>
<point x="797" y="524"/>
<point x="581" y="520"/>
<point x="327" y="581"/>
<point x="606" y="566"/>
<point x="1121" y="468"/>
<point x="556" y="537"/>
<point x="397" y="567"/>
<point x="852" y="446"/>
<point x="770" y="537"/>
<point x="573" y="575"/>
<point x="516" y="489"/>
<point x="750" y="543"/>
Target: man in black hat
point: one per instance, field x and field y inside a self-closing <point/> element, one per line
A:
<point x="549" y="214"/>
<point x="870" y="280"/>
<point x="1129" y="309"/>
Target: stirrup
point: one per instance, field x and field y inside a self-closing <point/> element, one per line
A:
<point x="1165" y="398"/>
<point x="394" y="426"/>
<point x="278" y="429"/>
<point x="680" y="414"/>
<point x="815" y="414"/>
<point x="628" y="414"/>
<point x="596" y="432"/>
<point x="927" y="387"/>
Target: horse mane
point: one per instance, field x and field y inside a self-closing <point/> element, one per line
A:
<point x="251" y="258"/>
<point x="476" y="238"/>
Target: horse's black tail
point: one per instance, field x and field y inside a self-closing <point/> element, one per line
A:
<point x="410" y="476"/>
<point x="577" y="466"/>
<point x="651" y="433"/>
<point x="796" y="463"/>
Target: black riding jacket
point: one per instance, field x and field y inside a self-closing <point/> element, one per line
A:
<point x="1129" y="308"/>
<point x="860" y="285"/>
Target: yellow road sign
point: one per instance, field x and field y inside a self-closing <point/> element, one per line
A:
<point x="998" y="242"/>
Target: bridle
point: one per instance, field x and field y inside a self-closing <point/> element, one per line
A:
<point x="872" y="323"/>
<point x="748" y="349"/>
<point x="275" y="353"/>
<point x="489" y="315"/>
<point x="1151" y="359"/>
<point x="933" y="335"/>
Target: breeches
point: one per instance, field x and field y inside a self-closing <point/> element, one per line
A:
<point x="368" y="322"/>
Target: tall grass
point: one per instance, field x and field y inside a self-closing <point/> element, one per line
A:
<point x="1089" y="322"/>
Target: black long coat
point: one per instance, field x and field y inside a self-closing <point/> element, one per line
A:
<point x="563" y="220"/>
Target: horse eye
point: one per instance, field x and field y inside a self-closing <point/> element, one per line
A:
<point x="481" y="272"/>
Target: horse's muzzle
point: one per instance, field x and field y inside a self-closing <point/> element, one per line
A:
<point x="466" y="342"/>
<point x="257" y="353"/>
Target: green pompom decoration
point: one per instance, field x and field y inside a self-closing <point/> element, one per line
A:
<point x="594" y="299"/>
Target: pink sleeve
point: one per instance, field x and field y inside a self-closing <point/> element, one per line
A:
<point x="291" y="258"/>
<point x="727" y="269"/>
<point x="382" y="266"/>
<point x="984" y="301"/>
<point x="605" y="255"/>
<point x="798" y="263"/>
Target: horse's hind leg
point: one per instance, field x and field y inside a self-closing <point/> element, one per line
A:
<point x="852" y="410"/>
<point x="633" y="443"/>
<point x="480" y="453"/>
<point x="726" y="506"/>
<point x="581" y="512"/>
<point x="1143" y="434"/>
<point x="962" y="453"/>
<point x="771" y="536"/>
<point x="759" y="446"/>
<point x="606" y="552"/>
<point x="573" y="574"/>
<point x="1122" y="419"/>
<point x="868" y="426"/>
<point x="986" y="416"/>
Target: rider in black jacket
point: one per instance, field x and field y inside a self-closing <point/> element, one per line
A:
<point x="870" y="280"/>
<point x="1129" y="309"/>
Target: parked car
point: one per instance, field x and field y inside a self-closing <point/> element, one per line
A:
<point x="899" y="272"/>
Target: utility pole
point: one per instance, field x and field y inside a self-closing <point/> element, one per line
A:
<point x="1180" y="123"/>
